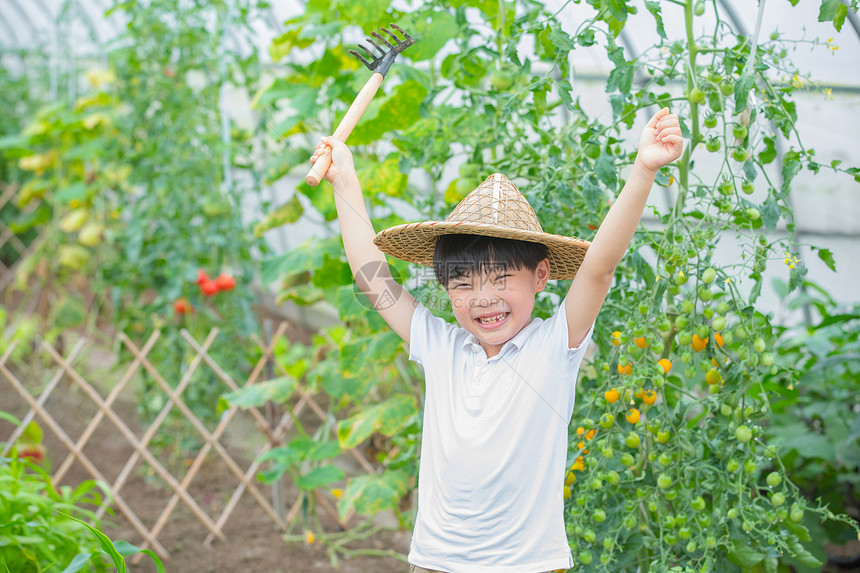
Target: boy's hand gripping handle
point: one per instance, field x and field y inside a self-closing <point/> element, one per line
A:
<point x="353" y="114"/>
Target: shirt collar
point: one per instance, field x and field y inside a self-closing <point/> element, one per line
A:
<point x="517" y="341"/>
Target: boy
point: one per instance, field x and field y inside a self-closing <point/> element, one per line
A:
<point x="500" y="388"/>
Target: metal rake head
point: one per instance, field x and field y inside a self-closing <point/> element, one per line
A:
<point x="382" y="62"/>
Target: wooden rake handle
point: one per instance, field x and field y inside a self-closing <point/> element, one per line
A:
<point x="345" y="127"/>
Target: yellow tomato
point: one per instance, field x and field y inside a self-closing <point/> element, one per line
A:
<point x="612" y="395"/>
<point x="632" y="415"/>
<point x="649" y="397"/>
<point x="699" y="343"/>
<point x="614" y="339"/>
<point x="713" y="376"/>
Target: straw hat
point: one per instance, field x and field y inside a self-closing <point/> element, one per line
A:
<point x="496" y="208"/>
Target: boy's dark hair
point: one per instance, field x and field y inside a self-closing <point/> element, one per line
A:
<point x="461" y="255"/>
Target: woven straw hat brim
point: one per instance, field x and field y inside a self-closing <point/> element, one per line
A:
<point x="416" y="243"/>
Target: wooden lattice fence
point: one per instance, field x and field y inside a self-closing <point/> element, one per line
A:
<point x="66" y="373"/>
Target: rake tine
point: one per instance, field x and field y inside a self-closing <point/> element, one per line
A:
<point x="382" y="39"/>
<point x="399" y="29"/>
<point x="357" y="55"/>
<point x="382" y="50"/>
<point x="368" y="52"/>
<point x="396" y="39"/>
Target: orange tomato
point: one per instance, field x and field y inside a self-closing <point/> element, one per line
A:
<point x="666" y="364"/>
<point x="625" y="369"/>
<point x="718" y="338"/>
<point x="649" y="397"/>
<point x="632" y="415"/>
<point x="698" y="343"/>
<point x="612" y="395"/>
<point x="641" y="342"/>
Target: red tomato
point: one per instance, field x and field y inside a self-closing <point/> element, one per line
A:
<point x="209" y="288"/>
<point x="202" y="277"/>
<point x="182" y="306"/>
<point x="225" y="282"/>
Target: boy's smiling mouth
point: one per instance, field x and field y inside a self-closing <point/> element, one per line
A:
<point x="492" y="318"/>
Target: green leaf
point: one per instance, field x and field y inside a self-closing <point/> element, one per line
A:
<point x="386" y="418"/>
<point x="383" y="177"/>
<point x="38" y="216"/>
<point x="826" y="255"/>
<point x="744" y="555"/>
<point x="287" y="213"/>
<point x="319" y="477"/>
<point x="106" y="544"/>
<point x="77" y="563"/>
<point x="278" y="390"/>
<point x="742" y="91"/>
<point x="398" y="111"/>
<point x="654" y="8"/>
<point x="370" y="494"/>
<point x="431" y="32"/>
<point x="833" y="11"/>
<point x="769" y="152"/>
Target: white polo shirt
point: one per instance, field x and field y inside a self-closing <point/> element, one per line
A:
<point x="494" y="447"/>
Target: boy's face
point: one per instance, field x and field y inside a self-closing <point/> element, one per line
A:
<point x="496" y="305"/>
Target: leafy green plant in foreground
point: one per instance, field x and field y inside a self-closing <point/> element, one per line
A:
<point x="48" y="529"/>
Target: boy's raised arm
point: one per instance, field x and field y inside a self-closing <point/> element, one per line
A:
<point x="367" y="262"/>
<point x="660" y="144"/>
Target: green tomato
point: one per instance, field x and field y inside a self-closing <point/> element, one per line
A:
<point x="589" y="535"/>
<point x="699" y="8"/>
<point x="732" y="513"/>
<point x="713" y="144"/>
<point x="709" y="275"/>
<point x="628" y="460"/>
<point x="585" y="557"/>
<point x="733" y="465"/>
<point x="710" y="541"/>
<point x="607" y="453"/>
<point x="726" y="187"/>
<point x="747" y="187"/>
<point x="501" y="79"/>
<point x="796" y="515"/>
<point x="663" y="436"/>
<point x="726" y="410"/>
<point x="718" y="323"/>
<point x="606" y="420"/>
<point x="608" y="543"/>
<point x="759" y="345"/>
<point x="743" y="434"/>
<point x="665" y="460"/>
<point x="685" y="533"/>
<point x="727" y="87"/>
<point x="592" y="151"/>
<point x="767" y="359"/>
<point x="598" y="515"/>
<point x="629" y="522"/>
<point x="710" y="121"/>
<point x="664" y="481"/>
<point x="703" y="520"/>
<point x="652" y="506"/>
<point x="691" y="547"/>
<point x="669" y="522"/>
<point x="596" y="483"/>
<point x="671" y="538"/>
<point x="740" y="154"/>
<point x="777" y="499"/>
<point x="698" y="503"/>
<point x="752" y="214"/>
<point x="632" y="440"/>
<point x="613" y="478"/>
<point x="750" y="466"/>
<point x="697" y="96"/>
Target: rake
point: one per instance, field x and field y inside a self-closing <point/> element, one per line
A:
<point x="379" y="65"/>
